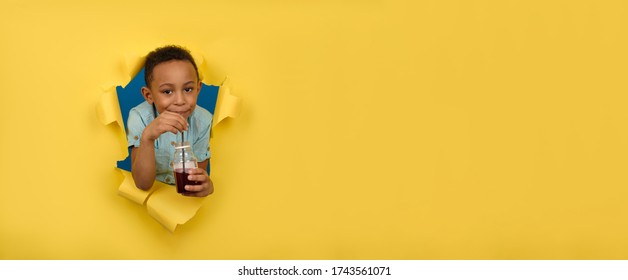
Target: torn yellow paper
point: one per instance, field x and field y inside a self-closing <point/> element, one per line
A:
<point x="133" y="64"/>
<point x="227" y="105"/>
<point x="171" y="208"/>
<point x="200" y="62"/>
<point x="108" y="110"/>
<point x="203" y="71"/>
<point x="162" y="202"/>
<point x="127" y="189"/>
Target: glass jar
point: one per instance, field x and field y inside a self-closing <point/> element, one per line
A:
<point x="183" y="161"/>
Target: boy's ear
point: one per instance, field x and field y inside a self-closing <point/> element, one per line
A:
<point x="200" y="86"/>
<point x="147" y="95"/>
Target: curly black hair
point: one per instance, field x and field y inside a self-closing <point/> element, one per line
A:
<point x="164" y="54"/>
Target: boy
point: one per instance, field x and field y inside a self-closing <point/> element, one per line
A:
<point x="171" y="91"/>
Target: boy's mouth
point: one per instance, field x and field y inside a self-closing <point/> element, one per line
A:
<point x="181" y="112"/>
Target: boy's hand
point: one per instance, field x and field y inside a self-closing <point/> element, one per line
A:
<point x="166" y="121"/>
<point x="205" y="188"/>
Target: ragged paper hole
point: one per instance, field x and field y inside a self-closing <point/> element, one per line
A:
<point x="162" y="201"/>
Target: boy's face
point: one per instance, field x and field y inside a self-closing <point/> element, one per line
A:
<point x="174" y="87"/>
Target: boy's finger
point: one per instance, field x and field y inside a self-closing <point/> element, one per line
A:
<point x="174" y="119"/>
<point x="171" y="128"/>
<point x="198" y="178"/>
<point x="180" y="120"/>
<point x="181" y="124"/>
<point x="165" y="127"/>
<point x="194" y="188"/>
<point x="175" y="124"/>
<point x="196" y="171"/>
<point x="177" y="117"/>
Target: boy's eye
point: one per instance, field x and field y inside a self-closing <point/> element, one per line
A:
<point x="167" y="91"/>
<point x="189" y="89"/>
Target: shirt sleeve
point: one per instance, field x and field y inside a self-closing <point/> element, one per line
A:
<point x="201" y="145"/>
<point x="134" y="128"/>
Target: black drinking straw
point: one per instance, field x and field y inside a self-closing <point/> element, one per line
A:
<point x="183" y="153"/>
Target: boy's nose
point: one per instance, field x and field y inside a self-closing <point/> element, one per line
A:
<point x="179" y="100"/>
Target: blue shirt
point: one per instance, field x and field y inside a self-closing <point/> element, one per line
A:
<point x="197" y="134"/>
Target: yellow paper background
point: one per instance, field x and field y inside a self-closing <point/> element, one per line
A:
<point x="369" y="129"/>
